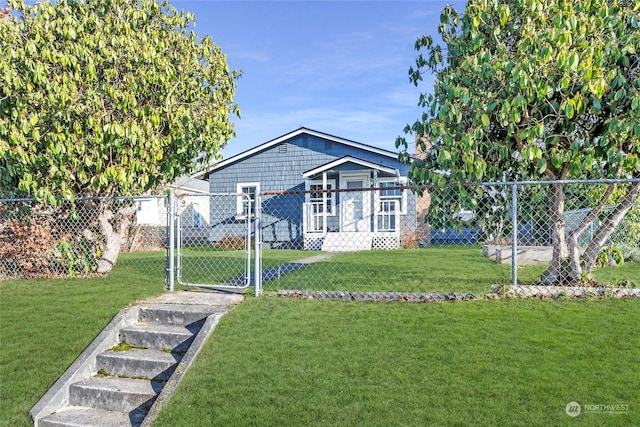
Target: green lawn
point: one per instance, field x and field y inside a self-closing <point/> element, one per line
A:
<point x="442" y="269"/>
<point x="405" y="270"/>
<point x="46" y="324"/>
<point x="277" y="362"/>
<point x="358" y="363"/>
<point x="207" y="267"/>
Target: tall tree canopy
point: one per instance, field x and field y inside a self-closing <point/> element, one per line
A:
<point x="534" y="89"/>
<point x="107" y="97"/>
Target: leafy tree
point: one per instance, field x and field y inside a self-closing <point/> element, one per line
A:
<point x="107" y="98"/>
<point x="534" y="89"/>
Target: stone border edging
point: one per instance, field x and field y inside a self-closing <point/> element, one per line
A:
<point x="577" y="292"/>
<point x="379" y="296"/>
<point x="497" y="292"/>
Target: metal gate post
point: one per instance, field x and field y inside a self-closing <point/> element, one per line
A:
<point x="178" y="245"/>
<point x="257" y="245"/>
<point x="171" y="238"/>
<point x="514" y="234"/>
<point x="247" y="245"/>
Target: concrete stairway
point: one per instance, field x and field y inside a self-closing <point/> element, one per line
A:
<point x="118" y="384"/>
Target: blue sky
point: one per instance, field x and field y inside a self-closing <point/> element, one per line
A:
<point x="339" y="67"/>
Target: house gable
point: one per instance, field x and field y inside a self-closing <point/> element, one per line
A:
<point x="279" y="164"/>
<point x="350" y="163"/>
<point x="314" y="140"/>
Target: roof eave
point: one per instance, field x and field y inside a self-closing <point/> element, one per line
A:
<point x="299" y="131"/>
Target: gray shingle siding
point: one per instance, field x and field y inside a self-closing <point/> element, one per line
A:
<point x="280" y="169"/>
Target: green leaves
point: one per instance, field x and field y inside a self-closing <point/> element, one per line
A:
<point x="569" y="109"/>
<point x="503" y="11"/>
<point x="542" y="166"/>
<point x="597" y="87"/>
<point x="91" y="95"/>
<point x="532" y="88"/>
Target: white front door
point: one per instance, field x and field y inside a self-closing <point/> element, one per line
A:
<point x="355" y="206"/>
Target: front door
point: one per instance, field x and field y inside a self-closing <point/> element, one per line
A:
<point x="355" y="206"/>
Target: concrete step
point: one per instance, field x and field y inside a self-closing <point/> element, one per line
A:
<point x="74" y="416"/>
<point x="138" y="363"/>
<point x="171" y="321"/>
<point x="115" y="394"/>
<point x="176" y="314"/>
<point x="162" y="337"/>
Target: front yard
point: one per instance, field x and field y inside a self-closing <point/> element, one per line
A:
<point x="275" y="362"/>
<point x="433" y="269"/>
<point x="279" y="361"/>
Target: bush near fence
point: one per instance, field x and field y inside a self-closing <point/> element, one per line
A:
<point x="37" y="240"/>
<point x="44" y="241"/>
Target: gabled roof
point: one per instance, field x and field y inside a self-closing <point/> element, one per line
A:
<point x="190" y="184"/>
<point x="348" y="159"/>
<point x="299" y="131"/>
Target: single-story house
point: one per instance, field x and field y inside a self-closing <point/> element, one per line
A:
<point x="310" y="185"/>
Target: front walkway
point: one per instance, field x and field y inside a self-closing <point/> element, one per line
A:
<point x="282" y="269"/>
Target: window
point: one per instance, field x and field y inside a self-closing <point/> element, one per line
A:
<point x="315" y="197"/>
<point x="196" y="221"/>
<point x="388" y="192"/>
<point x="246" y="205"/>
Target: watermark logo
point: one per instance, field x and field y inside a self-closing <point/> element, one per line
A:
<point x="573" y="409"/>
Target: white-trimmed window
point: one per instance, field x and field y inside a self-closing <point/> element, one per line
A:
<point x="246" y="201"/>
<point x="389" y="192"/>
<point x="196" y="218"/>
<point x="315" y="195"/>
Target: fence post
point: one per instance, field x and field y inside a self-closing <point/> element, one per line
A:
<point x="171" y="239"/>
<point x="514" y="234"/>
<point x="257" y="244"/>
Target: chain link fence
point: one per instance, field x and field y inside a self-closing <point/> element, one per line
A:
<point x="458" y="240"/>
<point x="214" y="240"/>
<point x="82" y="239"/>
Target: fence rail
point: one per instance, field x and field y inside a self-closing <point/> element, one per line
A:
<point x="459" y="238"/>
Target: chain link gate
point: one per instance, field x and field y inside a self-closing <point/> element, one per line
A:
<point x="214" y="241"/>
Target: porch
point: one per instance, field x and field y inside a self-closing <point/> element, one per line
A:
<point x="352" y="205"/>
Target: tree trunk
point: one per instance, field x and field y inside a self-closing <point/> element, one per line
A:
<point x="113" y="233"/>
<point x="572" y="239"/>
<point x="574" y="272"/>
<point x="602" y="235"/>
<point x="555" y="273"/>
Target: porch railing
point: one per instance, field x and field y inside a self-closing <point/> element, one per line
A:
<point x="314" y="218"/>
<point x="386" y="217"/>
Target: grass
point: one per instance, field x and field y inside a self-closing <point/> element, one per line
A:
<point x="46" y="323"/>
<point x="405" y="270"/>
<point x="450" y="269"/>
<point x="380" y="363"/>
<point x="624" y="275"/>
<point x="204" y="266"/>
<point x="434" y="269"/>
<point x="274" y="362"/>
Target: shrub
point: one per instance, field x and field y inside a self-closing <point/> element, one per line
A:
<point x="230" y="242"/>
